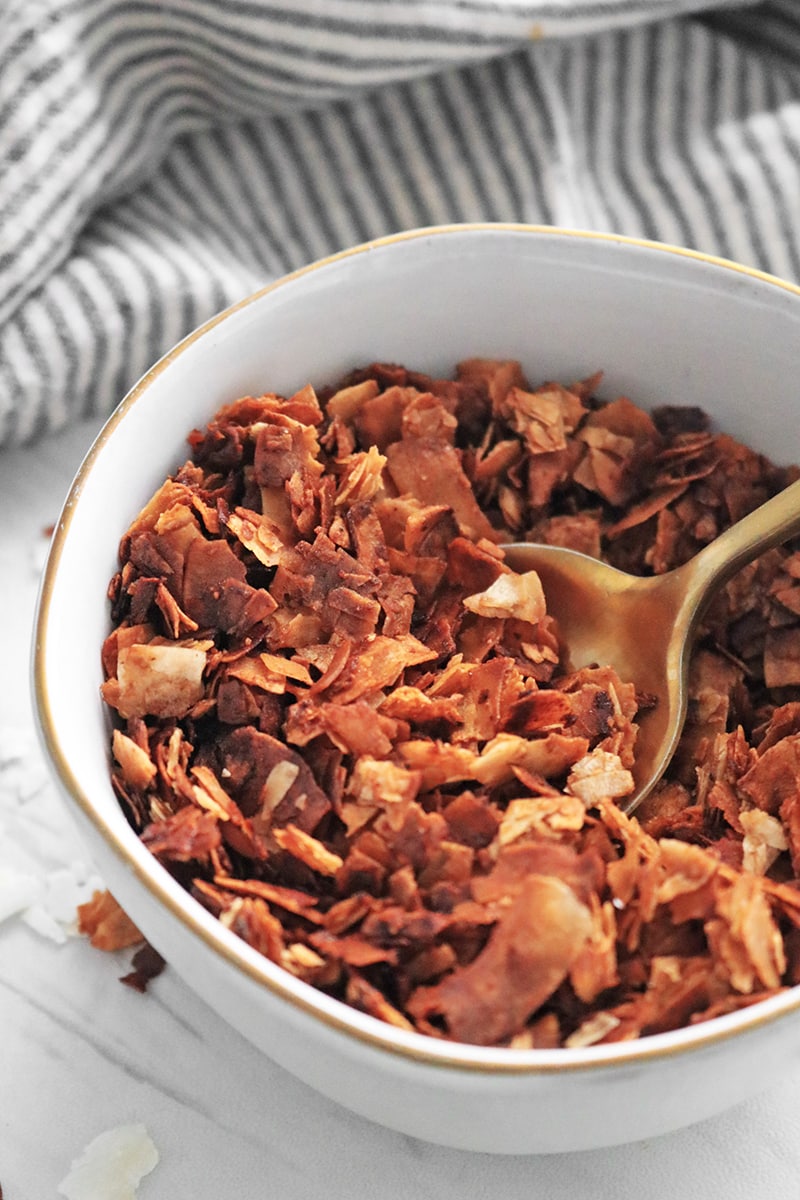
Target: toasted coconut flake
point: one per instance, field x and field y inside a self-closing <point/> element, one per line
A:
<point x="251" y="920"/>
<point x="363" y="477"/>
<point x="278" y="782"/>
<point x="282" y="666"/>
<point x="146" y="965"/>
<point x="308" y="850"/>
<point x="106" y="925"/>
<point x="369" y="999"/>
<point x="171" y="495"/>
<point x="782" y="658"/>
<point x="431" y="469"/>
<point x="548" y="756"/>
<point x="519" y="596"/>
<point x="255" y="673"/>
<point x="408" y="703"/>
<point x="525" y="960"/>
<point x="382" y="784"/>
<point x="655" y="503"/>
<point x="598" y="776"/>
<point x="377" y="664"/>
<point x="438" y="763"/>
<point x="290" y="899"/>
<point x="352" y="949"/>
<point x="189" y="835"/>
<point x="301" y="960"/>
<point x="138" y="768"/>
<point x="687" y="869"/>
<point x="236" y="829"/>
<point x="772" y="778"/>
<point x="596" y="969"/>
<point x="764" y="840"/>
<point x="593" y="1030"/>
<point x="744" y="939"/>
<point x="347" y="401"/>
<point x="257" y="534"/>
<point x="354" y="728"/>
<point x="159" y="681"/>
<point x="544" y="816"/>
<point x="498" y="376"/>
<point x="541" y="417"/>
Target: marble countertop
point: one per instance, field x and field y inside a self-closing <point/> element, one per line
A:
<point x="81" y="1054"/>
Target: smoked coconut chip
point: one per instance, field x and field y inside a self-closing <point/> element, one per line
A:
<point x="345" y="726"/>
<point x="108" y="927"/>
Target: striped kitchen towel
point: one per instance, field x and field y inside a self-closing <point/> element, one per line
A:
<point x="160" y="159"/>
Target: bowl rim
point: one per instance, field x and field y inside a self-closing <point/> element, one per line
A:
<point x="339" y="1017"/>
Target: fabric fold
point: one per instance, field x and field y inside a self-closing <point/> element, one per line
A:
<point x="158" y="162"/>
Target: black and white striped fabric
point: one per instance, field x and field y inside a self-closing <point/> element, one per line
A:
<point x="160" y="159"/>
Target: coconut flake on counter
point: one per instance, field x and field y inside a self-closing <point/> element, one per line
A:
<point x="18" y="890"/>
<point x="111" y="1166"/>
<point x="64" y="890"/>
<point x="44" y="876"/>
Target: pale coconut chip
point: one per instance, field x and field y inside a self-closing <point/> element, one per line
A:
<point x="43" y="876"/>
<point x="39" y="919"/>
<point x="18" y="890"/>
<point x="112" y="1165"/>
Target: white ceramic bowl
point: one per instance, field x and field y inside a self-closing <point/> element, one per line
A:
<point x="666" y="326"/>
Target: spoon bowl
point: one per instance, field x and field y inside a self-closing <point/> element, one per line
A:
<point x="644" y="626"/>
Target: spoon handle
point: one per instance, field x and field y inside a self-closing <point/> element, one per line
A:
<point x="769" y="525"/>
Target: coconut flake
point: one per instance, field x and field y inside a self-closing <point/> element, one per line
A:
<point x="592" y="1031"/>
<point x="18" y="889"/>
<point x="510" y="595"/>
<point x="764" y="839"/>
<point x="111" y="1166"/>
<point x="43" y="874"/>
<point x="39" y="919"/>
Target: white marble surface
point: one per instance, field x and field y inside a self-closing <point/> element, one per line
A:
<point x="80" y="1053"/>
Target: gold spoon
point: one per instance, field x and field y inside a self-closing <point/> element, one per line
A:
<point x="644" y="627"/>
